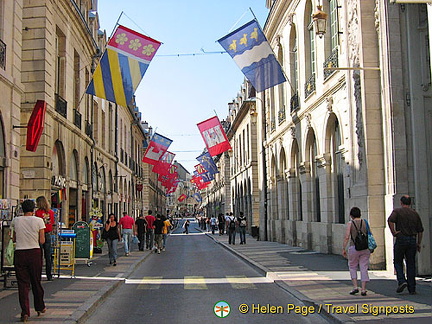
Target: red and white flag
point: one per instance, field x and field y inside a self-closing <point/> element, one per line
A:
<point x="214" y="136"/>
<point x="157" y="147"/>
<point x="163" y="165"/>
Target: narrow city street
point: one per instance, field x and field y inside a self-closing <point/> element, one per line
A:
<point x="184" y="283"/>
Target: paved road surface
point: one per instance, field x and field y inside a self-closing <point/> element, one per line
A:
<point x="183" y="284"/>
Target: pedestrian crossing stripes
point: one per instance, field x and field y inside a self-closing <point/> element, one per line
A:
<point x="199" y="282"/>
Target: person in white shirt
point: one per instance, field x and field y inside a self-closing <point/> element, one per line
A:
<point x="29" y="234"/>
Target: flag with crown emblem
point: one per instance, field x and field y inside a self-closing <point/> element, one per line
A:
<point x="122" y="66"/>
<point x="251" y="51"/>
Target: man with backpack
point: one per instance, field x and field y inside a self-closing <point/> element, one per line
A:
<point x="242" y="227"/>
<point x="232" y="224"/>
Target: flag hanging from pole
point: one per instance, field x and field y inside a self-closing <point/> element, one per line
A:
<point x="182" y="197"/>
<point x="197" y="197"/>
<point x="252" y="53"/>
<point x="214" y="136"/>
<point x="122" y="66"/>
<point x="163" y="165"/>
<point x="156" y="149"/>
<point x="207" y="162"/>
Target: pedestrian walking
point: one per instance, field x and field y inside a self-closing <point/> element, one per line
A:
<point x="213" y="224"/>
<point x="232" y="225"/>
<point x="227" y="218"/>
<point x="166" y="229"/>
<point x="44" y="211"/>
<point x="242" y="223"/>
<point x="113" y="230"/>
<point x="29" y="234"/>
<point x="139" y="229"/>
<point x="127" y="223"/>
<point x="221" y="224"/>
<point x="186" y="226"/>
<point x="356" y="259"/>
<point x="149" y="230"/>
<point x="158" y="229"/>
<point x="405" y="224"/>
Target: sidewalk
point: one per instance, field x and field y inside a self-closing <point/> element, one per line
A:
<point x="323" y="280"/>
<point x="71" y="299"/>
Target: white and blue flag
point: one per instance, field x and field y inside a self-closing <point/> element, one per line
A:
<point x="252" y="53"/>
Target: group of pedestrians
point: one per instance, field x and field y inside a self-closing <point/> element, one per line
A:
<point x="149" y="230"/>
<point x="31" y="232"/>
<point x="228" y="224"/>
<point x="406" y="226"/>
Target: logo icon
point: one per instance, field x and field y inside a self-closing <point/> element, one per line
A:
<point x="221" y="309"/>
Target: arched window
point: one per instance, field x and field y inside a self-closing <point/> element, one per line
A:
<point x="331" y="38"/>
<point x="314" y="179"/>
<point x="73" y="168"/>
<point x="281" y="87"/>
<point x="338" y="171"/>
<point x="309" y="50"/>
<point x="297" y="187"/>
<point x="294" y="102"/>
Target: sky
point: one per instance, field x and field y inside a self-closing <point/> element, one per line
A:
<point x="178" y="91"/>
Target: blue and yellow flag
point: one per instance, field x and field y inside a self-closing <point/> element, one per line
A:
<point x="251" y="51"/>
<point x="122" y="66"/>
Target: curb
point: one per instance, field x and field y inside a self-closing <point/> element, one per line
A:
<point x="334" y="318"/>
<point x="86" y="309"/>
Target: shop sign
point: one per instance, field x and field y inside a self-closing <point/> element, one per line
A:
<point x="58" y="181"/>
<point x="35" y="126"/>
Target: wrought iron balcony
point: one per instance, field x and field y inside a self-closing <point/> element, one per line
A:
<point x="331" y="61"/>
<point x="294" y="102"/>
<point x="77" y="118"/>
<point x="281" y="115"/>
<point x="61" y="105"/>
<point x="310" y="86"/>
<point x="2" y="55"/>
<point x="273" y="125"/>
<point x="88" y="128"/>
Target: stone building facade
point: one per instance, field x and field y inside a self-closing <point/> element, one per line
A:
<point x="352" y="125"/>
<point x="242" y="135"/>
<point x="89" y="154"/>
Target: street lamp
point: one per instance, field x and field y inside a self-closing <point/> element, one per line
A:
<point x="320" y="21"/>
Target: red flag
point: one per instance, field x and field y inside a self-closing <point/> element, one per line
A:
<point x="163" y="165"/>
<point x="199" y="182"/>
<point x="214" y="136"/>
<point x="182" y="197"/>
<point x="157" y="147"/>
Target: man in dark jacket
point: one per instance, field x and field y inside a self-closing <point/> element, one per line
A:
<point x="406" y="225"/>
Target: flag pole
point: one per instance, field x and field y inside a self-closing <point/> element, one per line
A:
<point x="289" y="82"/>
<point x="253" y="14"/>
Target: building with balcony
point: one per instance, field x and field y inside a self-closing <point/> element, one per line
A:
<point x="89" y="154"/>
<point x="352" y="125"/>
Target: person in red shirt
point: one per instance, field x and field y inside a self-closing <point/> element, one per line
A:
<point x="44" y="211"/>
<point x="127" y="223"/>
<point x="149" y="230"/>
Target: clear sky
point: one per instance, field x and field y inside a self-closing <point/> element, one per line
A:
<point x="177" y="92"/>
